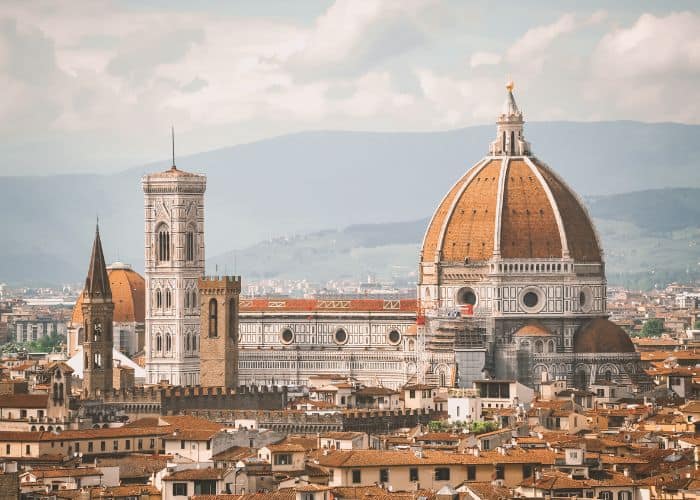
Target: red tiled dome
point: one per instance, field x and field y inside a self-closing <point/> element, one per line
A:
<point x="128" y="294"/>
<point x="602" y="335"/>
<point x="515" y="207"/>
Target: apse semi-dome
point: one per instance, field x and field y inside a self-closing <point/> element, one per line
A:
<point x="128" y="294"/>
<point x="602" y="336"/>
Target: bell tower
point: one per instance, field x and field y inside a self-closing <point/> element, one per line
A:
<point x="98" y="310"/>
<point x="219" y="331"/>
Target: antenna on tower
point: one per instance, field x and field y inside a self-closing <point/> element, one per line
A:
<point x="172" y="132"/>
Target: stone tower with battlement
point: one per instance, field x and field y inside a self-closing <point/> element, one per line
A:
<point x="219" y="331"/>
<point x="174" y="261"/>
<point x="98" y="310"/>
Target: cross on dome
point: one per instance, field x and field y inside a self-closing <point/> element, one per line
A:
<point x="510" y="140"/>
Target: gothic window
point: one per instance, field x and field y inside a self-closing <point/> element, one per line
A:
<point x="187" y="342"/>
<point x="608" y="376"/>
<point x="168" y="298"/>
<point x="232" y="313"/>
<point x="504" y="142"/>
<point x="159" y="299"/>
<point x="189" y="245"/>
<point x="512" y="142"/>
<point x="163" y="243"/>
<point x="168" y="342"/>
<point x="193" y="299"/>
<point x="194" y="343"/>
<point x="550" y="346"/>
<point x="187" y="299"/>
<point x="159" y="342"/>
<point x="538" y="346"/>
<point x="213" y="317"/>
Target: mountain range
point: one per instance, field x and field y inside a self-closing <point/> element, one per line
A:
<point x="355" y="183"/>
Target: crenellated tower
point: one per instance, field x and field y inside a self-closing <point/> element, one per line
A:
<point x="219" y="331"/>
<point x="98" y="310"/>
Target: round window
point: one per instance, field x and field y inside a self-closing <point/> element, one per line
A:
<point x="287" y="336"/>
<point x="394" y="337"/>
<point x="341" y="336"/>
<point x="530" y="299"/>
<point x="466" y="296"/>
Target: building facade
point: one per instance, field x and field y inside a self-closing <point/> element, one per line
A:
<point x="174" y="261"/>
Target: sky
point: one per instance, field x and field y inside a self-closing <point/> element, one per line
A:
<point x="95" y="85"/>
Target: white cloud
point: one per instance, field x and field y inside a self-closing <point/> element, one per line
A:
<point x="650" y="70"/>
<point x="535" y="40"/>
<point x="484" y="59"/>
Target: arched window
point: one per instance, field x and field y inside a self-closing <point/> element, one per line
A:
<point x="551" y="347"/>
<point x="580" y="379"/>
<point x="168" y="342"/>
<point x="193" y="299"/>
<point x="159" y="298"/>
<point x="168" y="298"/>
<point x="512" y="142"/>
<point x="232" y="314"/>
<point x="443" y="379"/>
<point x="187" y="299"/>
<point x="504" y="141"/>
<point x="187" y="342"/>
<point x="213" y="316"/>
<point x="189" y="245"/>
<point x="608" y="376"/>
<point x="163" y="243"/>
<point x="539" y="346"/>
<point x="159" y="342"/>
<point x="525" y="345"/>
<point x="194" y="343"/>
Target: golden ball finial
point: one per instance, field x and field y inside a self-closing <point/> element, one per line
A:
<point x="510" y="86"/>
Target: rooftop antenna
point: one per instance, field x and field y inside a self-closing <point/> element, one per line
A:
<point x="172" y="132"/>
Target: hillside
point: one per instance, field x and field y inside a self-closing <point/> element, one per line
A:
<point x="640" y="251"/>
<point x="298" y="183"/>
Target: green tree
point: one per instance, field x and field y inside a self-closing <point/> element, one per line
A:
<point x="652" y="327"/>
<point x="436" y="426"/>
<point x="479" y="427"/>
<point x="696" y="326"/>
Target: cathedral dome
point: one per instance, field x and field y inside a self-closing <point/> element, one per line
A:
<point x="602" y="336"/>
<point x="128" y="294"/>
<point x="533" y="330"/>
<point x="510" y="205"/>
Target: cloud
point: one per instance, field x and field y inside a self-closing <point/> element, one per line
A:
<point x="535" y="40"/>
<point x="352" y="37"/>
<point x="484" y="59"/>
<point x="649" y="70"/>
<point x="142" y="53"/>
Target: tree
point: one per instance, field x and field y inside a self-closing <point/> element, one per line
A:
<point x="436" y="426"/>
<point x="479" y="427"/>
<point x="696" y="326"/>
<point x="653" y="328"/>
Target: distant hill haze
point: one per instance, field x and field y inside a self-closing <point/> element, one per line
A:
<point x="296" y="184"/>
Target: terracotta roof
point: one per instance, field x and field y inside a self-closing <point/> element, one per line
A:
<point x="192" y="474"/>
<point x="602" y="335"/>
<point x="286" y="447"/>
<point x="533" y="329"/>
<point x="134" y="465"/>
<point x="341" y="435"/>
<point x="328" y="305"/>
<point x="464" y="224"/>
<point x="128" y="295"/>
<point x="64" y="472"/>
<point x="234" y="454"/>
<point x="555" y="480"/>
<point x="24" y="401"/>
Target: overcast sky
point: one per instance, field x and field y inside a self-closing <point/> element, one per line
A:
<point x="91" y="85"/>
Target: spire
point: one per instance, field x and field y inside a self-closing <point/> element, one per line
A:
<point x="172" y="132"/>
<point x="510" y="140"/>
<point x="97" y="281"/>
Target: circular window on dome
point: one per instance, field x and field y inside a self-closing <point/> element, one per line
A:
<point x="287" y="336"/>
<point x="532" y="299"/>
<point x="341" y="336"/>
<point x="394" y="337"/>
<point x="585" y="299"/>
<point x="466" y="296"/>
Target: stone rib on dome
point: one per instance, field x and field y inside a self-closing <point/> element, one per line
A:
<point x="128" y="295"/>
<point x="532" y="214"/>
